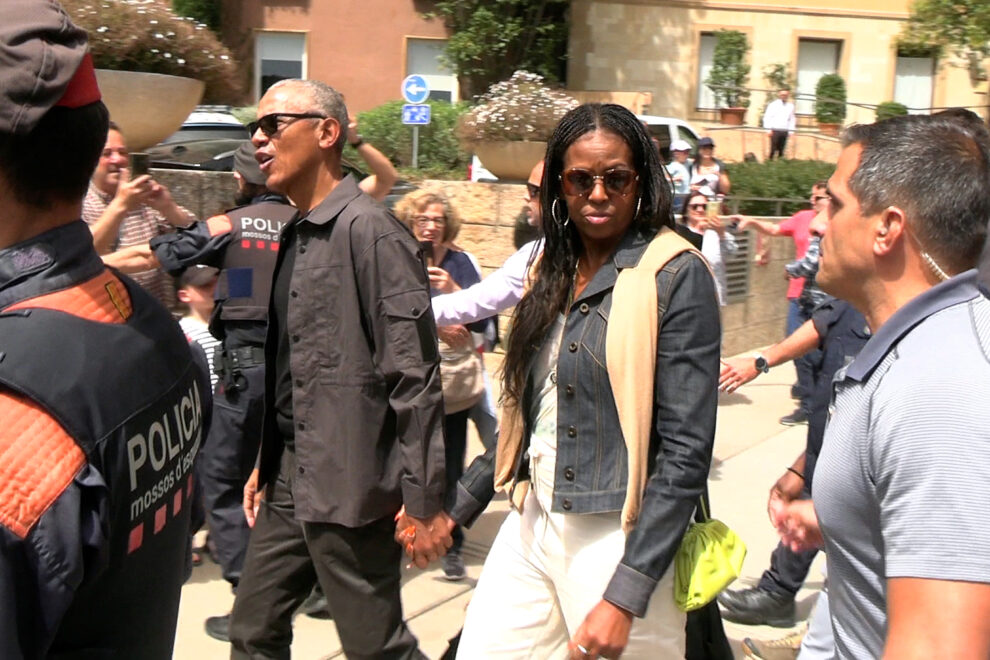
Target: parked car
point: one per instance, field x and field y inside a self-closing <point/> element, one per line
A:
<point x="209" y="122"/>
<point x="209" y="138"/>
<point x="664" y="129"/>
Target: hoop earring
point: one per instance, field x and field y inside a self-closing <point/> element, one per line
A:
<point x="639" y="202"/>
<point x="553" y="213"/>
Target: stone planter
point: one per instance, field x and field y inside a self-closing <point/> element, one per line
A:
<point x="732" y="116"/>
<point x="829" y="128"/>
<point x="148" y="107"/>
<point x="511" y="161"/>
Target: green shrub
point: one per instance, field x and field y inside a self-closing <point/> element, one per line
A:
<point x="786" y="179"/>
<point x="439" y="150"/>
<point x="730" y="70"/>
<point x="889" y="109"/>
<point x="830" y="99"/>
<point x="204" y="11"/>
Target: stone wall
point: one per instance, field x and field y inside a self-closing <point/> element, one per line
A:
<point x="205" y="194"/>
<point x="489" y="211"/>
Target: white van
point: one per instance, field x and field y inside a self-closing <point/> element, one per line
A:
<point x="664" y="129"/>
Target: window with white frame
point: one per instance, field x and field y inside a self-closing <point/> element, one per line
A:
<point x="913" y="83"/>
<point x="706" y="51"/>
<point x="423" y="57"/>
<point x="277" y="56"/>
<point x="816" y="57"/>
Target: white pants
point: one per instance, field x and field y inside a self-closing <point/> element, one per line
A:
<point x="544" y="574"/>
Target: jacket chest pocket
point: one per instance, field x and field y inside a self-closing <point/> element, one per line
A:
<point x="595" y="325"/>
<point x="319" y="312"/>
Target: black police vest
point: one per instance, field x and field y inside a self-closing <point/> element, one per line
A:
<point x="132" y="399"/>
<point x="245" y="282"/>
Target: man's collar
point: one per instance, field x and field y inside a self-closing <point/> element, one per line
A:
<point x="105" y="197"/>
<point x="343" y="194"/>
<point x="953" y="291"/>
<point x="56" y="259"/>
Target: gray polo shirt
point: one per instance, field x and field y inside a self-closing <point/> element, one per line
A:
<point x="902" y="487"/>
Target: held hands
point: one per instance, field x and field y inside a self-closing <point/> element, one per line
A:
<point x="252" y="498"/>
<point x="797" y="524"/>
<point x="424" y="539"/>
<point x="736" y="372"/>
<point x="786" y="490"/>
<point x="603" y="633"/>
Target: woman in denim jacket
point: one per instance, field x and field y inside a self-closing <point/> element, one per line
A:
<point x="563" y="578"/>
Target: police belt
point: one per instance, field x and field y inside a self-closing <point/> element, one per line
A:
<point x="235" y="359"/>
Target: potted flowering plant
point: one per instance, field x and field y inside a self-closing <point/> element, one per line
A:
<point x="153" y="66"/>
<point x="509" y="128"/>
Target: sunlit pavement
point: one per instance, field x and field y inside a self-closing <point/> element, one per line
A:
<point x="751" y="451"/>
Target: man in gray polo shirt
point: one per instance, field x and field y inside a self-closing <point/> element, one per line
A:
<point x="902" y="485"/>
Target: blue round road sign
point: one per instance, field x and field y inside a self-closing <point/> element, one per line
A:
<point x="415" y="89"/>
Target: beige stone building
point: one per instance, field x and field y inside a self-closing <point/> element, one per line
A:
<point x="664" y="47"/>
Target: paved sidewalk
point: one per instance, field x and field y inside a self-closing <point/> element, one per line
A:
<point x="751" y="450"/>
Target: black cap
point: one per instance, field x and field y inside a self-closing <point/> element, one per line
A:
<point x="197" y="276"/>
<point x="247" y="166"/>
<point x="706" y="142"/>
<point x="43" y="63"/>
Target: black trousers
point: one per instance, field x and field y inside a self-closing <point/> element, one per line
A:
<point x="788" y="569"/>
<point x="227" y="461"/>
<point x="455" y="446"/>
<point x="778" y="140"/>
<point x="358" y="569"/>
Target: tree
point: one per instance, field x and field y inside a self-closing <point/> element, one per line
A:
<point x="492" y="38"/>
<point x="206" y="12"/>
<point x="962" y="25"/>
<point x="730" y="70"/>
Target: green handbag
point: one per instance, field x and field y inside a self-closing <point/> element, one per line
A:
<point x="709" y="559"/>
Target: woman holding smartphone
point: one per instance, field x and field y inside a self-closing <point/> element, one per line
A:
<point x="700" y="214"/>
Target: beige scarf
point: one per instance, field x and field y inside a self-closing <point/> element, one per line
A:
<point x="630" y="355"/>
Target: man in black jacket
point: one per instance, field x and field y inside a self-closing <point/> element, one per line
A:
<point x="353" y="399"/>
<point x="243" y="244"/>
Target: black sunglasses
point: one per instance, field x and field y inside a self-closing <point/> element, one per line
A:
<point x="577" y="182"/>
<point x="697" y="207"/>
<point x="532" y="190"/>
<point x="269" y="124"/>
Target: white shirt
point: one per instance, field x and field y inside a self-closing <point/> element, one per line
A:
<point x="497" y="292"/>
<point x="779" y="116"/>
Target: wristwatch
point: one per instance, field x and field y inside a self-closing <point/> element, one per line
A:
<point x="761" y="363"/>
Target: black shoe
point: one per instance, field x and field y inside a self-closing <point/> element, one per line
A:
<point x="757" y="607"/>
<point x="316" y="606"/>
<point x="218" y="627"/>
<point x="453" y="567"/>
<point x="795" y="418"/>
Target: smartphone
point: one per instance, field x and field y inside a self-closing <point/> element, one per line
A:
<point x="712" y="208"/>
<point x="427" y="248"/>
<point x="139" y="164"/>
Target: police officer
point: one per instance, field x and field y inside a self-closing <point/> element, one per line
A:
<point x="243" y="243"/>
<point x="103" y="408"/>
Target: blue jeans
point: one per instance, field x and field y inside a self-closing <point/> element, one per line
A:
<point x="804" y="365"/>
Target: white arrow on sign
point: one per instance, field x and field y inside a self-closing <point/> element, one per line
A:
<point x="415" y="89"/>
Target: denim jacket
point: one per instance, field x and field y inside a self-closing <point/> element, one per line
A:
<point x="591" y="464"/>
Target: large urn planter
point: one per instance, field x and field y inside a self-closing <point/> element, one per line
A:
<point x="732" y="116"/>
<point x="829" y="128"/>
<point x="148" y="107"/>
<point x="511" y="161"/>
